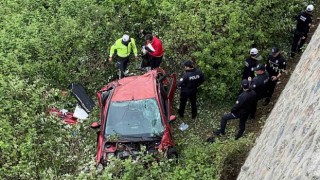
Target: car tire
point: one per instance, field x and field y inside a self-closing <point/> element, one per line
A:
<point x="172" y="153"/>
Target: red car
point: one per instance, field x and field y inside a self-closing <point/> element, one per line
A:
<point x="135" y="115"/>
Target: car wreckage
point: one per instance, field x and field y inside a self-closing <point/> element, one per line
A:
<point x="135" y="116"/>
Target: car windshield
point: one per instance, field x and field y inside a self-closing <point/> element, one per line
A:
<point x="134" y="119"/>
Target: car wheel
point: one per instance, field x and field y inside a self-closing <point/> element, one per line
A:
<point x="172" y="153"/>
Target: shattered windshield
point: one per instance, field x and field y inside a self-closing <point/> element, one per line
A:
<point x="140" y="118"/>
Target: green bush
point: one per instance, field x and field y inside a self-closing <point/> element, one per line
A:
<point x="69" y="41"/>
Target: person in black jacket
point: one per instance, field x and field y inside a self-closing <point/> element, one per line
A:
<point x="245" y="104"/>
<point x="276" y="66"/>
<point x="259" y="84"/>
<point x="250" y="63"/>
<point x="189" y="83"/>
<point x="304" y="20"/>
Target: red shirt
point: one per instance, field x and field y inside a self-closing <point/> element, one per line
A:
<point x="157" y="45"/>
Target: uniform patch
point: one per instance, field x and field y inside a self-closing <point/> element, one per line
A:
<point x="194" y="77"/>
<point x="302" y="18"/>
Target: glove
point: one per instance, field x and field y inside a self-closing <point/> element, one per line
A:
<point x="143" y="50"/>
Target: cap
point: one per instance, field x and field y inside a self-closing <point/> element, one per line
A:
<point x="245" y="84"/>
<point x="260" y="67"/>
<point x="274" y="50"/>
<point x="310" y="8"/>
<point x="188" y="64"/>
<point x="125" y="38"/>
<point x="254" y="51"/>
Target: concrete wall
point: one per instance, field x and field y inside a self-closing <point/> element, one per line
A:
<point x="289" y="145"/>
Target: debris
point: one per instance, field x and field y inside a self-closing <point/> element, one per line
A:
<point x="80" y="113"/>
<point x="83" y="99"/>
<point x="67" y="117"/>
<point x="183" y="126"/>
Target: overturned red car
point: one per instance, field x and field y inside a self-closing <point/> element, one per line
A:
<point x="135" y="114"/>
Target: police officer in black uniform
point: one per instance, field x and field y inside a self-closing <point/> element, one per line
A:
<point x="304" y="20"/>
<point x="245" y="104"/>
<point x="276" y="66"/>
<point x="189" y="83"/>
<point x="250" y="63"/>
<point x="259" y="84"/>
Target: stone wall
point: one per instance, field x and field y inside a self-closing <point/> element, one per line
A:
<point x="289" y="145"/>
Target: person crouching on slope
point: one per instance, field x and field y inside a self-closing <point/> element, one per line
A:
<point x="246" y="102"/>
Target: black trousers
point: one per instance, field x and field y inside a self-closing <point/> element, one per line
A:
<point x="297" y="43"/>
<point x="155" y="62"/>
<point x="145" y="60"/>
<point x="183" y="101"/>
<point x="254" y="110"/>
<point x="270" y="88"/>
<point x="122" y="64"/>
<point x="229" y="116"/>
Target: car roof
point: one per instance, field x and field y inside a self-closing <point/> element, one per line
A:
<point x="135" y="87"/>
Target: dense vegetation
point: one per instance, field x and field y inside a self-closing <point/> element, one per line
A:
<point x="45" y="45"/>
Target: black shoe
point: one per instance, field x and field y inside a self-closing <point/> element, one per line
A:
<point x="218" y="132"/>
<point x="266" y="102"/>
<point x="180" y="114"/>
<point x="252" y="117"/>
<point x="210" y="139"/>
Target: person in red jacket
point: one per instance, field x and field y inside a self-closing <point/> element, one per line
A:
<point x="155" y="50"/>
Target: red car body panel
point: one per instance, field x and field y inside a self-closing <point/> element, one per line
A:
<point x="138" y="88"/>
<point x="129" y="88"/>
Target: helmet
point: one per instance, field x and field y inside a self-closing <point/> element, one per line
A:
<point x="254" y="51"/>
<point x="310" y="8"/>
<point x="125" y="38"/>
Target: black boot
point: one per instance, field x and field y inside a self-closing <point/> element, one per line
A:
<point x="266" y="101"/>
<point x="218" y="132"/>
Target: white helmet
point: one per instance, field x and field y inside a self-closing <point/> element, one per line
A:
<point x="310" y="8"/>
<point x="125" y="38"/>
<point x="254" y="51"/>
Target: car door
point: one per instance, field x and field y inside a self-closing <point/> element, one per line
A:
<point x="168" y="84"/>
<point x="172" y="86"/>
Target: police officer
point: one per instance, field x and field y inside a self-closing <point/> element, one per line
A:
<point x="259" y="84"/>
<point x="304" y="20"/>
<point x="123" y="47"/>
<point x="245" y="104"/>
<point x="189" y="83"/>
<point x="250" y="63"/>
<point x="276" y="66"/>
